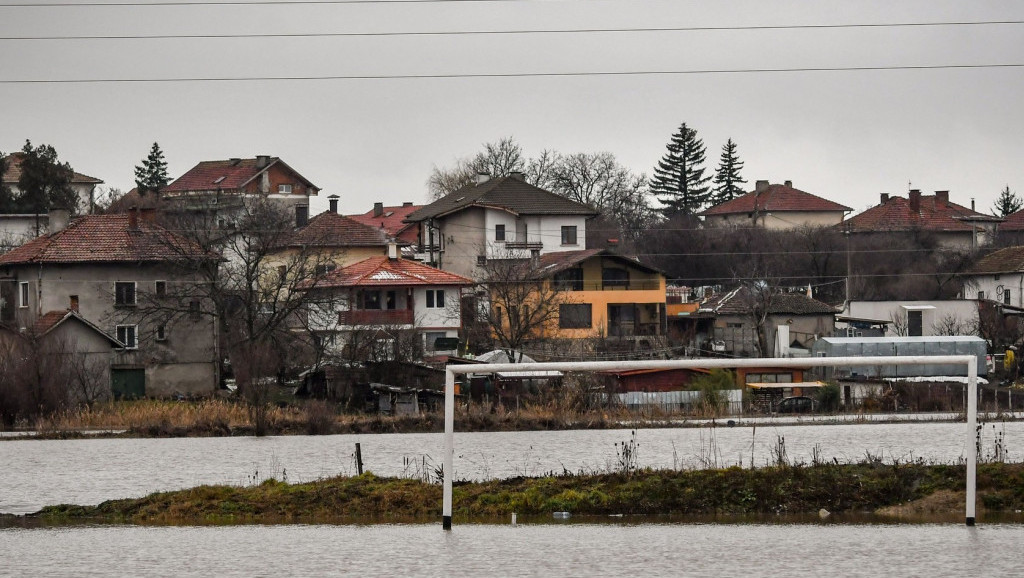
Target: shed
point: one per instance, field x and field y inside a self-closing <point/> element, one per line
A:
<point x="902" y="346"/>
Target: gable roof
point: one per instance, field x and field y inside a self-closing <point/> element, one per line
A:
<point x="105" y="239"/>
<point x="1013" y="222"/>
<point x="13" y="173"/>
<point x="385" y="272"/>
<point x="935" y="213"/>
<point x="552" y="263"/>
<point x="53" y="319"/>
<point x="392" y="220"/>
<point x="735" y="302"/>
<point x="511" y="193"/>
<point x="228" y="175"/>
<point x="333" y="230"/>
<point x="776" y="198"/>
<point x="1008" y="260"/>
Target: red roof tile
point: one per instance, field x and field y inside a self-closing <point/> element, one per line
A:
<point x="390" y="220"/>
<point x="51" y="319"/>
<point x="229" y="175"/>
<point x="13" y="173"/>
<point x="1013" y="222"/>
<point x="382" y="271"/>
<point x="103" y="239"/>
<point x="333" y="230"/>
<point x="934" y="214"/>
<point x="776" y="198"/>
<point x="1008" y="260"/>
<point x="738" y="302"/>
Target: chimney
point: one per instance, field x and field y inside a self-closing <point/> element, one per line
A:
<point x="262" y="161"/>
<point x="941" y="198"/>
<point x="760" y="186"/>
<point x="133" y="218"/>
<point x="885" y="198"/>
<point x="378" y="209"/>
<point x="482" y="178"/>
<point x="407" y="204"/>
<point x="789" y="184"/>
<point x="915" y="200"/>
<point x="333" y="201"/>
<point x="392" y="250"/>
<point x="235" y="161"/>
<point x="972" y="203"/>
<point x="517" y="175"/>
<point x="58" y="220"/>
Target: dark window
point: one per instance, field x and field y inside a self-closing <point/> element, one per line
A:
<point x="389" y="301"/>
<point x="301" y="215"/>
<point x="23" y="294"/>
<point x="981" y="295"/>
<point x="127" y="334"/>
<point x="1006" y="297"/>
<point x="614" y="277"/>
<point x="569" y="235"/>
<point x="371" y="300"/>
<point x="435" y="298"/>
<point x="124" y="293"/>
<point x="433" y="337"/>
<point x="499" y="232"/>
<point x="574" y="316"/>
<point x="569" y="280"/>
<point x="161" y="333"/>
<point x="915" y="324"/>
<point x="996" y="277"/>
<point x="194" y="309"/>
<point x="325" y="269"/>
<point x="161" y="288"/>
<point x="481" y="260"/>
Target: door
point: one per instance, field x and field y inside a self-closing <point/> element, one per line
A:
<point x="128" y="383"/>
<point x="915" y="325"/>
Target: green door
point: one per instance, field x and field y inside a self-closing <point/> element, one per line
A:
<point x="128" y="383"/>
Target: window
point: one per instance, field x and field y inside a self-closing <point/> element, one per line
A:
<point x="301" y="215"/>
<point x="574" y="316"/>
<point x="390" y="300"/>
<point x="499" y="232"/>
<point x="995" y="277"/>
<point x="124" y="293"/>
<point x="569" y="235"/>
<point x="569" y="280"/>
<point x="1006" y="297"/>
<point x="432" y="339"/>
<point x="127" y="334"/>
<point x="371" y="300"/>
<point x="284" y="189"/>
<point x="161" y="288"/>
<point x="435" y="298"/>
<point x="481" y="260"/>
<point x="615" y="277"/>
<point x="194" y="309"/>
<point x="23" y="294"/>
<point x="325" y="269"/>
<point x="981" y="295"/>
<point x="161" y="333"/>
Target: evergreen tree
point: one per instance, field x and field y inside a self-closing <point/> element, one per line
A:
<point x="679" y="180"/>
<point x="727" y="176"/>
<point x="45" y="182"/>
<point x="1007" y="202"/>
<point x="151" y="175"/>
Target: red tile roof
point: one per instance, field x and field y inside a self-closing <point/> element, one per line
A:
<point x="776" y="198"/>
<point x="51" y="319"/>
<point x="1013" y="222"/>
<point x="934" y="214"/>
<point x="391" y="221"/>
<point x="13" y="173"/>
<point x="738" y="302"/>
<point x="1008" y="260"/>
<point x="382" y="271"/>
<point x="229" y="175"/>
<point x="104" y="239"/>
<point x="551" y="263"/>
<point x="333" y="230"/>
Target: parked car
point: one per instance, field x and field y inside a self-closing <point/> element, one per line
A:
<point x="796" y="404"/>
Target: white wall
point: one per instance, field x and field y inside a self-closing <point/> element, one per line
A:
<point x="962" y="310"/>
<point x="994" y="288"/>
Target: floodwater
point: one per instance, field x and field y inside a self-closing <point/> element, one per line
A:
<point x="36" y="473"/>
<point x="526" y="550"/>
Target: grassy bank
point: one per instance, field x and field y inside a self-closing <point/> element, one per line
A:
<point x="838" y="488"/>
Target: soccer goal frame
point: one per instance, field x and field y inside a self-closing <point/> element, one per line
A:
<point x="970" y="361"/>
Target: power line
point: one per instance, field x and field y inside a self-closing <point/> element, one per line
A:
<point x="448" y="76"/>
<point x="248" y="3"/>
<point x="511" y="32"/>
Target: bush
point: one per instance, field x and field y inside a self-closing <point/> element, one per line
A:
<point x="829" y="397"/>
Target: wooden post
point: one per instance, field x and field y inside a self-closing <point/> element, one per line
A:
<point x="359" y="459"/>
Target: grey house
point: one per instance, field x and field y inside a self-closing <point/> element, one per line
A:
<point x="118" y="274"/>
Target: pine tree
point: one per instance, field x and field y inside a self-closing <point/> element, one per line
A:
<point x="727" y="176"/>
<point x="45" y="182"/>
<point x="1007" y="202"/>
<point x="151" y="175"/>
<point x="679" y="180"/>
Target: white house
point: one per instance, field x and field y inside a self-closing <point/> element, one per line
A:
<point x="998" y="276"/>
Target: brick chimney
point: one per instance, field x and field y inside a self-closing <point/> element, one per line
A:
<point x="262" y="161"/>
<point x="915" y="200"/>
<point x="378" y="209"/>
<point x="789" y="184"/>
<point x="333" y="202"/>
<point x="941" y="198"/>
<point x="407" y="204"/>
<point x="760" y="186"/>
<point x="133" y="218"/>
<point x="884" y="198"/>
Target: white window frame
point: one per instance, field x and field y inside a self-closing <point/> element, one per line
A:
<point x="134" y="334"/>
<point x="24" y="295"/>
<point x="435" y="298"/>
<point x="284" y="189"/>
<point x="574" y="230"/>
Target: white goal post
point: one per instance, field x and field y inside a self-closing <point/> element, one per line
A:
<point x="970" y="361"/>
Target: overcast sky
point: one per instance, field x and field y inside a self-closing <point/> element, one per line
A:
<point x="843" y="135"/>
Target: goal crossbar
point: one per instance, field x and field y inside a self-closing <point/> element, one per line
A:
<point x="970" y="361"/>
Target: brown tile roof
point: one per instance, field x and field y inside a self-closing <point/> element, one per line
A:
<point x="776" y="198"/>
<point x="737" y="302"/>
<point x="934" y="214"/>
<point x="51" y="319"/>
<point x="510" y="193"/>
<point x="13" y="173"/>
<point x="104" y="239"/>
<point x="333" y="230"/>
<point x="229" y="175"/>
<point x="132" y="199"/>
<point x="1013" y="222"/>
<point x="1008" y="260"/>
<point x="391" y="220"/>
<point x="552" y="263"/>
<point x="382" y="271"/>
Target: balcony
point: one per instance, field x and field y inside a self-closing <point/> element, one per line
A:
<point x="376" y="317"/>
<point x="529" y="245"/>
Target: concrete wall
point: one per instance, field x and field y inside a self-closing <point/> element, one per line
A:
<point x="779" y="220"/>
<point x="935" y="315"/>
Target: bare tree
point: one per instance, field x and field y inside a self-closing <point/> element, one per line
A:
<point x="900" y="323"/>
<point x="950" y="324"/>
<point x="497" y="159"/>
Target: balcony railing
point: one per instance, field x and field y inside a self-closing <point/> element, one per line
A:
<point x="524" y="245"/>
<point x="376" y="317"/>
